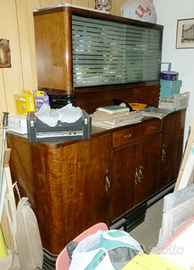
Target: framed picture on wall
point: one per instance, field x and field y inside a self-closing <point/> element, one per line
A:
<point x="5" y="58"/>
<point x="185" y="34"/>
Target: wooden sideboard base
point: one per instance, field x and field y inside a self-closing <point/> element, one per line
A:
<point x="74" y="184"/>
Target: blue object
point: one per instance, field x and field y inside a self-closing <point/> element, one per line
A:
<point x="169" y="88"/>
<point x="169" y="75"/>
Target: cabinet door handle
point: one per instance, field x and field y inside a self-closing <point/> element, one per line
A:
<point x="136" y="178"/>
<point x="163" y="154"/>
<point x="141" y="174"/>
<point x="107" y="184"/>
<point x="151" y="127"/>
<point x="127" y="135"/>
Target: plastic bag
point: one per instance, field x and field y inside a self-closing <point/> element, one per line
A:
<point x="29" y="246"/>
<point x="108" y="250"/>
<point x="142" y="10"/>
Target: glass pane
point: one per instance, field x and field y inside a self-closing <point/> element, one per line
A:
<point x="106" y="52"/>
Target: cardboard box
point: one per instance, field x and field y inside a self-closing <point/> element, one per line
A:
<point x="169" y="88"/>
<point x="17" y="124"/>
<point x="24" y="102"/>
<point x="40" y="99"/>
<point x="151" y="262"/>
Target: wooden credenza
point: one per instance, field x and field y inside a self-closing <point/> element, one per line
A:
<point x="74" y="184"/>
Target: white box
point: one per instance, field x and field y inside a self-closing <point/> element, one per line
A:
<point x="17" y="124"/>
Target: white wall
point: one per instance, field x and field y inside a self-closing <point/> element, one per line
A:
<point x="168" y="12"/>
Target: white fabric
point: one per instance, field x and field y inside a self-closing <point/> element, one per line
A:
<point x="10" y="262"/>
<point x="29" y="244"/>
<point x="67" y="114"/>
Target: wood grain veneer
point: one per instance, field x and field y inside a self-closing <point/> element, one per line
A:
<point x="65" y="184"/>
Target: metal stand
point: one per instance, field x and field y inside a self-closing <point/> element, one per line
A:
<point x="5" y="126"/>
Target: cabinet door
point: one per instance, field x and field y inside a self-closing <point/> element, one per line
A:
<point x="172" y="147"/>
<point x="67" y="184"/>
<point x="124" y="168"/>
<point x="135" y="165"/>
<point x="85" y="179"/>
<point x="149" y="167"/>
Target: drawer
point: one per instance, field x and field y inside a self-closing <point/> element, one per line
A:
<point x="136" y="132"/>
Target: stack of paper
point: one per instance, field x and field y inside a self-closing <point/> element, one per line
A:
<point x="155" y="112"/>
<point x="114" y="116"/>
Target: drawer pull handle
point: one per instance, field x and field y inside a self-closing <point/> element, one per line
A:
<point x="151" y="127"/>
<point x="127" y="136"/>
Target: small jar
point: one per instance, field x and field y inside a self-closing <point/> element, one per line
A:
<point x="103" y="5"/>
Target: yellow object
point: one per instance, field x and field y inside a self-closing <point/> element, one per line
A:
<point x="151" y="262"/>
<point x="39" y="93"/>
<point x="137" y="106"/>
<point x="24" y="102"/>
<point x="3" y="250"/>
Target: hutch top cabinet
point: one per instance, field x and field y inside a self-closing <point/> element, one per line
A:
<point x="82" y="52"/>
